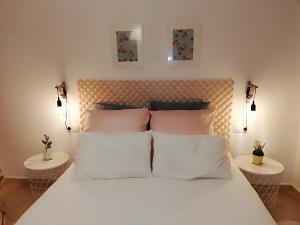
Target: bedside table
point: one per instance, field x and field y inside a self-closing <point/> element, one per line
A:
<point x="265" y="178"/>
<point x="42" y="174"/>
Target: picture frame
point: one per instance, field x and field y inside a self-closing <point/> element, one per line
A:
<point x="127" y="43"/>
<point x="183" y="43"/>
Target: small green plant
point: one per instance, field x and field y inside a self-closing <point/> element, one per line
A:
<point x="47" y="142"/>
<point x="258" y="148"/>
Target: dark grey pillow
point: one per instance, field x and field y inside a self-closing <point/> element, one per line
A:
<point x="157" y="105"/>
<point x="114" y="106"/>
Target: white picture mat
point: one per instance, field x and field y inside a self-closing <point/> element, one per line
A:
<point x="169" y="41"/>
<point x="137" y="30"/>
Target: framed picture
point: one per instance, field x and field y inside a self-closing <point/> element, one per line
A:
<point x="183" y="42"/>
<point x="127" y="46"/>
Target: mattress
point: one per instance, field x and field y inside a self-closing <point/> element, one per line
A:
<point x="149" y="201"/>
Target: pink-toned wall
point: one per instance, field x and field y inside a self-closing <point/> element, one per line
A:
<point x="45" y="42"/>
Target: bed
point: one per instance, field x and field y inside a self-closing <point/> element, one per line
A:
<point x="156" y="201"/>
<point x="152" y="200"/>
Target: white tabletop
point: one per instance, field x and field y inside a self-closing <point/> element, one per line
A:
<point x="269" y="166"/>
<point x="36" y="162"/>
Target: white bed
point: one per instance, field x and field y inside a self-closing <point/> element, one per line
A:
<point x="149" y="201"/>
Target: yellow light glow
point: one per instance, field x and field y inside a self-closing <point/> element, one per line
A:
<point x="252" y="116"/>
<point x="60" y="111"/>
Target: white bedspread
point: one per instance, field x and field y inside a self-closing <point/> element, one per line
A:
<point x="149" y="201"/>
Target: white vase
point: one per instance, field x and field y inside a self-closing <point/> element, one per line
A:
<point x="47" y="155"/>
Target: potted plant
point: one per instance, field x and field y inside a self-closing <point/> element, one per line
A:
<point x="258" y="154"/>
<point x="47" y="155"/>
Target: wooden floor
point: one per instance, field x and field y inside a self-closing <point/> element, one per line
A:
<point x="287" y="205"/>
<point x="17" y="197"/>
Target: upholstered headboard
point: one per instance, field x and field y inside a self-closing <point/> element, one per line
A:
<point x="141" y="92"/>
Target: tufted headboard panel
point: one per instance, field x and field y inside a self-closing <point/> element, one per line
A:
<point x="141" y="92"/>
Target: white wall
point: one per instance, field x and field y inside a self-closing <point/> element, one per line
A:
<point x="45" y="42"/>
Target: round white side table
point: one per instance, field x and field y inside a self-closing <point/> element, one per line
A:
<point x="42" y="174"/>
<point x="265" y="178"/>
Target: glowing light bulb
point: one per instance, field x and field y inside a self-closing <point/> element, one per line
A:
<point x="60" y="111"/>
<point x="252" y="116"/>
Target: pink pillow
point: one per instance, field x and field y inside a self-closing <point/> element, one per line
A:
<point x="125" y="120"/>
<point x="183" y="121"/>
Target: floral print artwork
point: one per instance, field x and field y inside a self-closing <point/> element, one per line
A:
<point x="126" y="47"/>
<point x="183" y="44"/>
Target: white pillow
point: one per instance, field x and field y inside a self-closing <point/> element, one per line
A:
<point x="190" y="156"/>
<point x="110" y="156"/>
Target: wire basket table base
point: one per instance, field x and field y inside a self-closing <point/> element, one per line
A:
<point x="266" y="186"/>
<point x="41" y="180"/>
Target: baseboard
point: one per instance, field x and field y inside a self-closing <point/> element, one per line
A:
<point x="297" y="185"/>
<point x="286" y="183"/>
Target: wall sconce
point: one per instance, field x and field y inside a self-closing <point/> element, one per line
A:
<point x="62" y="92"/>
<point x="250" y="94"/>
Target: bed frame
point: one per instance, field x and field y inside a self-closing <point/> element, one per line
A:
<point x="141" y="92"/>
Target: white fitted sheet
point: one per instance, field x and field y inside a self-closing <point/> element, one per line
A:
<point x="149" y="201"/>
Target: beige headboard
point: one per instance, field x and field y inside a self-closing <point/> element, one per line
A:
<point x="141" y="92"/>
